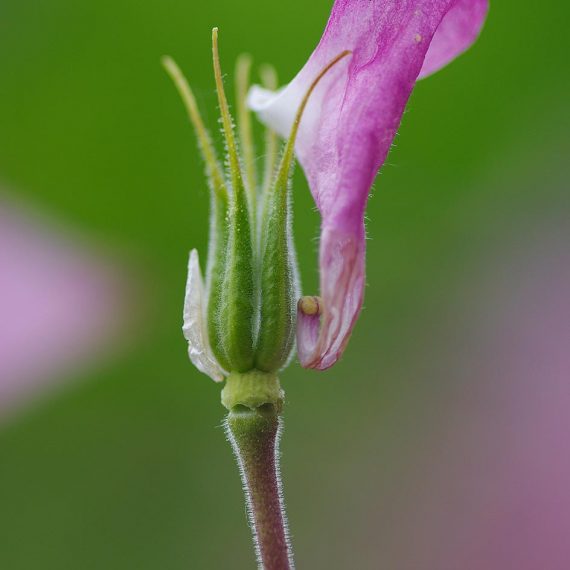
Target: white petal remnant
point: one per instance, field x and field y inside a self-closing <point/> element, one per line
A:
<point x="279" y="116"/>
<point x="195" y="327"/>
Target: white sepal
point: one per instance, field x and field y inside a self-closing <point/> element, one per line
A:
<point x="278" y="109"/>
<point x="195" y="325"/>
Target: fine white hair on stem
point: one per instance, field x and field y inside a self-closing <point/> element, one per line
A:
<point x="280" y="492"/>
<point x="277" y="491"/>
<point x="247" y="493"/>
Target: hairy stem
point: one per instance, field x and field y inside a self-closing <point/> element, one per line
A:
<point x="254" y="435"/>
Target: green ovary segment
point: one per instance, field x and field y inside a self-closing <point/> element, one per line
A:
<point x="217" y="256"/>
<point x="278" y="283"/>
<point x="238" y="295"/>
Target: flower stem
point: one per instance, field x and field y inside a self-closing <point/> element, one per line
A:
<point x="254" y="435"/>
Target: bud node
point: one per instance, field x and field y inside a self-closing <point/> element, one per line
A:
<point x="253" y="390"/>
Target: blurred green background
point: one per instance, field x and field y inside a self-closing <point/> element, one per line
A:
<point x="129" y="468"/>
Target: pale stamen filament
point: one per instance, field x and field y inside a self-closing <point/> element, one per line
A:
<point x="289" y="149"/>
<point x="226" y="117"/>
<point x="204" y="140"/>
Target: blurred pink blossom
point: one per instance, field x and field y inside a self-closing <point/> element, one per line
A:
<point x="494" y="491"/>
<point x="59" y="305"/>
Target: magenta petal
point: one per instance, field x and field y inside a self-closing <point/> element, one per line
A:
<point x="347" y="131"/>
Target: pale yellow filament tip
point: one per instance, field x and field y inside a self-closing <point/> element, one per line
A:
<point x="310" y="305"/>
<point x="226" y="117"/>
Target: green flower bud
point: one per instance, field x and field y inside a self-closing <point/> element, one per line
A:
<point x="241" y="325"/>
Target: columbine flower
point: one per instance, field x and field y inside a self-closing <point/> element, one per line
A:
<point x="240" y="323"/>
<point x="347" y="131"/>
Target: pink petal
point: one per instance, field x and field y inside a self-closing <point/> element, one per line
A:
<point x="457" y="32"/>
<point x="347" y="131"/>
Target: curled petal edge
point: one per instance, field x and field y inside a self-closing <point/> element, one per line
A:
<point x="457" y="32"/>
<point x="322" y="337"/>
